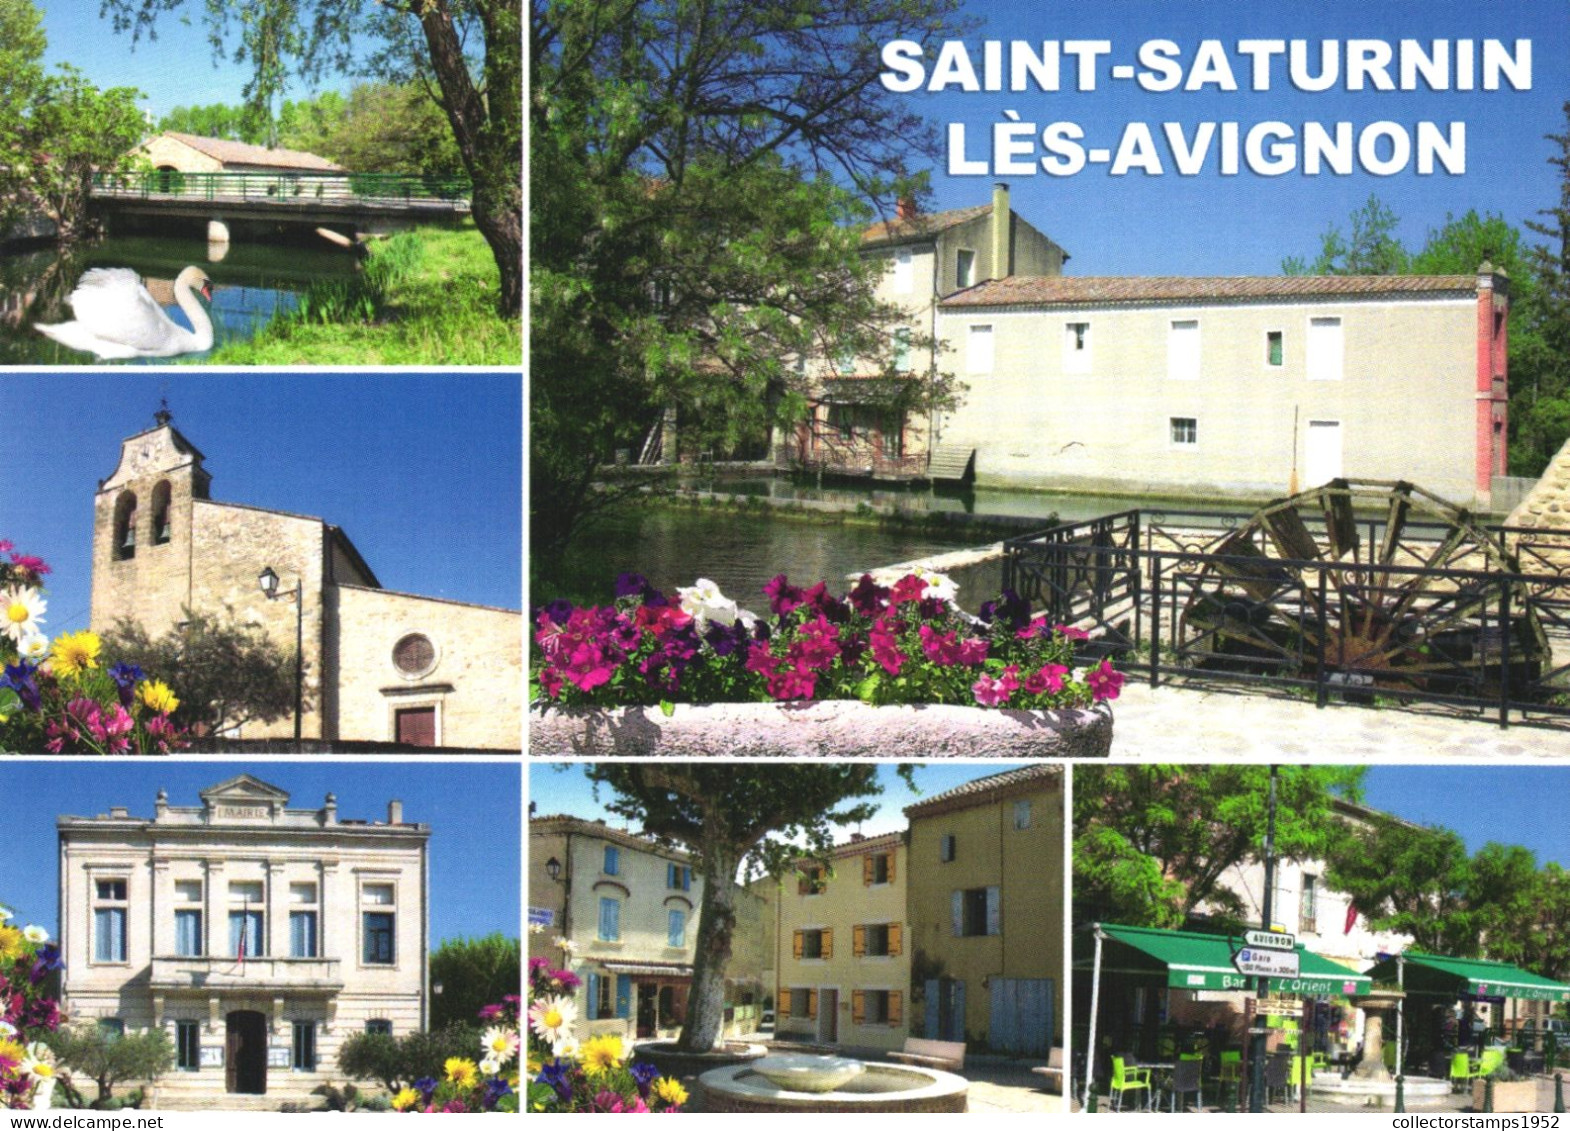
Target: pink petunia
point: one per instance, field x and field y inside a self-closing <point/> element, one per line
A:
<point x="1048" y="679"/>
<point x="989" y="692"/>
<point x="1104" y="681"/>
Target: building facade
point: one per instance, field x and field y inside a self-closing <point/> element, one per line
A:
<point x="629" y="907"/>
<point x="378" y="666"/>
<point x="176" y="152"/>
<point x="841" y="947"/>
<point x="259" y="936"/>
<point x="1233" y="386"/>
<point x="987" y="911"/>
<point x="853" y="428"/>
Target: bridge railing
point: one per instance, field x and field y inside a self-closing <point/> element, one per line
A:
<point x="407" y="189"/>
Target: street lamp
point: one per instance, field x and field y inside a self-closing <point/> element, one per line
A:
<point x="268" y="581"/>
<point x="553" y="869"/>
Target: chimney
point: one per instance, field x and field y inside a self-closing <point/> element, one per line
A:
<point x="395" y="812"/>
<point x="330" y="810"/>
<point x="905" y="208"/>
<point x="857" y="838"/>
<point x="1002" y="259"/>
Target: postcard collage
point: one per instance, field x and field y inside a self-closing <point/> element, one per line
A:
<point x="1018" y="563"/>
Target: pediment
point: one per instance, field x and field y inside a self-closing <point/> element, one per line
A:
<point x="244" y="798"/>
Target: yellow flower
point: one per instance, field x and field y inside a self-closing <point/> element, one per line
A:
<point x="156" y="694"/>
<point x="75" y="652"/>
<point x="670" y="1090"/>
<point x="601" y="1054"/>
<point x="461" y="1071"/>
<point x="11" y="1056"/>
<point x="405" y="1099"/>
<point x="12" y="944"/>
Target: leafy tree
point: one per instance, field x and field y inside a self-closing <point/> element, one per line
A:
<point x="1547" y="923"/>
<point x="396" y="1062"/>
<point x="473" y="973"/>
<point x="1411" y="879"/>
<point x="698" y="172"/>
<point x="1153" y="844"/>
<point x="56" y="130"/>
<point x="221" y="120"/>
<point x="109" y="1058"/>
<point x="417" y="39"/>
<point x="1371" y="249"/>
<point x="224" y="673"/>
<point x="380" y="128"/>
<point x="728" y="817"/>
<point x="1540" y="404"/>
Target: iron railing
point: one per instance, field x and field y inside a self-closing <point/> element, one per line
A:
<point x="407" y="189"/>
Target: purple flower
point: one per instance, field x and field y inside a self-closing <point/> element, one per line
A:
<point x="48" y="959"/>
<point x="426" y="1086"/>
<point x="496" y="1088"/>
<point x="643" y="1075"/>
<point x="725" y="639"/>
<point x="558" y="610"/>
<point x="19" y="678"/>
<point x="126" y="677"/>
<point x="868" y="598"/>
<point x="631" y="584"/>
<point x="554" y="1074"/>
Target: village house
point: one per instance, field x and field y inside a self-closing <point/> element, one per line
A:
<point x="259" y="936"/>
<point x="852" y="429"/>
<point x="842" y="955"/>
<point x="378" y="666"/>
<point x="986" y="911"/>
<point x="175" y="152"/>
<point x="628" y="908"/>
<point x="1216" y="387"/>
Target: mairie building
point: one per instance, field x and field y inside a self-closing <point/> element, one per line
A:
<point x="378" y="666"/>
<point x="259" y="936"/>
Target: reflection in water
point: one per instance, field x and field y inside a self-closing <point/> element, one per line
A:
<point x="252" y="284"/>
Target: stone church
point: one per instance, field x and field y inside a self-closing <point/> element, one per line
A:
<point x="379" y="666"/>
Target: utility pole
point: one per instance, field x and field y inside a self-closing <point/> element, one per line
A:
<point x="1256" y="1056"/>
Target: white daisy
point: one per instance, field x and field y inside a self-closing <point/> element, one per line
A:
<point x="35" y="934"/>
<point x="490" y="1066"/>
<point x="566" y="1048"/>
<point x="499" y="1043"/>
<point x="5" y="914"/>
<point x="34" y="647"/>
<point x="21" y="612"/>
<point x="552" y="1017"/>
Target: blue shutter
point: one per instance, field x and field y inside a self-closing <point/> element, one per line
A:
<point x="676" y="928"/>
<point x="670" y="876"/>
<point x="594" y="997"/>
<point x="957" y="1020"/>
<point x="930" y="1014"/>
<point x="994" y="914"/>
<point x="612" y="860"/>
<point x="957" y="913"/>
<point x="623" y="995"/>
<point x="686" y="879"/>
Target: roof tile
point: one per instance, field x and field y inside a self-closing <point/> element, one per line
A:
<point x="1107" y="290"/>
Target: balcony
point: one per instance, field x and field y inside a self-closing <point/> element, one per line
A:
<point x="207" y="972"/>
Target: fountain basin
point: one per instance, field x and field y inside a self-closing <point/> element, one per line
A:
<point x="880" y="1088"/>
<point x="803" y="1073"/>
<point x="1359" y="1092"/>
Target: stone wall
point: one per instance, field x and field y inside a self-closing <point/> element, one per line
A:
<point x="475" y="680"/>
<point x="1546" y="508"/>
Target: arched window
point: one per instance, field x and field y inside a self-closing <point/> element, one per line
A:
<point x="161" y="519"/>
<point x="124" y="545"/>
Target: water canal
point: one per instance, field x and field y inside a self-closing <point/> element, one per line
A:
<point x="252" y="284"/>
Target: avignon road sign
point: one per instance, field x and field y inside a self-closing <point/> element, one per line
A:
<point x="1270" y="940"/>
<point x="1270" y="963"/>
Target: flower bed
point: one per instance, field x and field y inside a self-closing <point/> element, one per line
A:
<point x="613" y="679"/>
<point x="59" y="697"/>
<point x="27" y="1013"/>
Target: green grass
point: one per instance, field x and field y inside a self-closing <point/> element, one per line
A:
<point x="426" y="297"/>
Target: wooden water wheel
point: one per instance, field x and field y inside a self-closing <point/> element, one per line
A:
<point x="1384" y="583"/>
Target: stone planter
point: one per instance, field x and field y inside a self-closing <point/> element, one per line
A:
<point x="836" y="728"/>
<point x="1515" y="1095"/>
<point x="680" y="1065"/>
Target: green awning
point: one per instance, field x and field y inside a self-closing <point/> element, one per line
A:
<point x="1469" y="977"/>
<point x="1192" y="961"/>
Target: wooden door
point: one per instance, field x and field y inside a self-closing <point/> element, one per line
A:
<point x="245" y="1053"/>
<point x="416" y="726"/>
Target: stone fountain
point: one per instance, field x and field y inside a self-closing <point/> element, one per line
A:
<point x="804" y="1083"/>
<point x="1370" y="1083"/>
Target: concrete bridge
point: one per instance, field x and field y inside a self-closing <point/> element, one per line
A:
<point x="356" y="202"/>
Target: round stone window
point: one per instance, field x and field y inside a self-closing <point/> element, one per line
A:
<point x="414" y="655"/>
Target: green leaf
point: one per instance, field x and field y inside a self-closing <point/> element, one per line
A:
<point x="667" y="708"/>
<point x="867" y="690"/>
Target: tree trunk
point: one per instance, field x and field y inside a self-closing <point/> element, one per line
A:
<point x="488" y="129"/>
<point x="704" y="1029"/>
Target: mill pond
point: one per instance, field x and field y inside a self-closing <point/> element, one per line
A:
<point x="252" y="284"/>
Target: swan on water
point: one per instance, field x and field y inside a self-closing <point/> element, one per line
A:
<point x="116" y="317"/>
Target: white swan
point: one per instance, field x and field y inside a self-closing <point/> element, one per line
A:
<point x="117" y="318"/>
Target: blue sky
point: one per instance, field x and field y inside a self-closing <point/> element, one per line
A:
<point x="423" y="473"/>
<point x="1246" y="224"/>
<point x="176" y="69"/>
<point x="472" y="809"/>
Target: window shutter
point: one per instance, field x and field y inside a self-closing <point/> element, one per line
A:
<point x="686" y="879"/>
<point x="867" y="870"/>
<point x="896" y="1008"/>
<point x="894" y="939"/>
<point x="796" y="945"/>
<point x="594" y="996"/>
<point x="994" y="926"/>
<point x="858" y="941"/>
<point x="957" y="913"/>
<point x="828" y="943"/>
<point x="812" y="1004"/>
<point x="892" y="856"/>
<point x="624" y="995"/>
<point x="803" y="884"/>
<point x="858" y="1007"/>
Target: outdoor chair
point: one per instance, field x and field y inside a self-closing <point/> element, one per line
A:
<point x="1461" y="1072"/>
<point x="1490" y="1062"/>
<point x="1231" y="1064"/>
<point x="1126" y="1079"/>
<point x="1278" y="1076"/>
<point x="1186" y="1079"/>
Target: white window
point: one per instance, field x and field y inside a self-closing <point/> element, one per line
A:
<point x="978" y="354"/>
<point x="109" y="918"/>
<point x="1183" y="350"/>
<point x="1076" y="347"/>
<point x="1324" y="349"/>
<point x="904" y="276"/>
<point x="901" y="343"/>
<point x="965" y="268"/>
<point x="1185" y="432"/>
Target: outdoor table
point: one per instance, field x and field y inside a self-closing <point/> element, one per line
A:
<point x="1160" y="1075"/>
